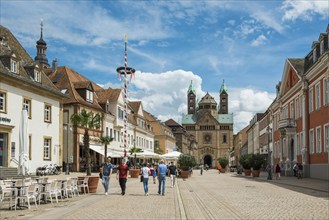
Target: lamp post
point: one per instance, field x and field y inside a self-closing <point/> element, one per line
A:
<point x="269" y="152"/>
<point x="67" y="172"/>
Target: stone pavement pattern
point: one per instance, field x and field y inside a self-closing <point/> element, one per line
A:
<point x="210" y="196"/>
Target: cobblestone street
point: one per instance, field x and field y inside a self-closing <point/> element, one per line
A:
<point x="210" y="196"/>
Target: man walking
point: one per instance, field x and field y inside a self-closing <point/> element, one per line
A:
<point x="107" y="171"/>
<point x="122" y="175"/>
<point x="172" y="173"/>
<point x="162" y="170"/>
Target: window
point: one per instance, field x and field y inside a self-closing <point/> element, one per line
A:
<point x="297" y="107"/>
<point x="311" y="100"/>
<point x="224" y="138"/>
<point x="46" y="148"/>
<point x="120" y="113"/>
<point x="37" y="76"/>
<point x="317" y="97"/>
<point x="297" y="144"/>
<point x="27" y="106"/>
<point x="47" y="113"/>
<point x="301" y="142"/>
<point x="321" y="47"/>
<point x="318" y="140"/>
<point x="292" y="111"/>
<point x="301" y="106"/>
<point x="89" y="97"/>
<point x="311" y="141"/>
<point x="326" y="91"/>
<point x="326" y="137"/>
<point x="3" y="102"/>
<point x="13" y="66"/>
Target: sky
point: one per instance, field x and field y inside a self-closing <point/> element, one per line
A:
<point x="171" y="43"/>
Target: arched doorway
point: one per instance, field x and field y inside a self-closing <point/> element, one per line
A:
<point x="207" y="160"/>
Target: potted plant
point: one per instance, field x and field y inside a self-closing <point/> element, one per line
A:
<point x="223" y="161"/>
<point x="246" y="164"/>
<point x="106" y="140"/>
<point x="87" y="120"/>
<point x="185" y="163"/>
<point x="134" y="173"/>
<point x="257" y="160"/>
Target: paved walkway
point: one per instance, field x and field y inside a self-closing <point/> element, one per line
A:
<point x="210" y="196"/>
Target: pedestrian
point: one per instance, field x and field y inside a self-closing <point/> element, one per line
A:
<point x="277" y="171"/>
<point x="107" y="169"/>
<point x="172" y="173"/>
<point x="162" y="171"/>
<point x="219" y="168"/>
<point x="269" y="171"/>
<point x="201" y="169"/>
<point x="153" y="173"/>
<point x="295" y="169"/>
<point x="145" y="172"/>
<point x="122" y="175"/>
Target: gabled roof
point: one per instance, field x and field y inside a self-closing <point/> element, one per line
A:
<point x="172" y="122"/>
<point x="207" y="99"/>
<point x="135" y="105"/>
<point x="66" y="78"/>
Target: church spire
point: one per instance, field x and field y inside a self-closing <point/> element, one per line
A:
<point x="41" y="49"/>
<point x="191" y="96"/>
<point x="191" y="88"/>
<point x="223" y="99"/>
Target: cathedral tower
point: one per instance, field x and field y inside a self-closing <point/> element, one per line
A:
<point x="191" y="97"/>
<point x="41" y="50"/>
<point x="223" y="99"/>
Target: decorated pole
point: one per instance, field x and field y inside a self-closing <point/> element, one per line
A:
<point x="125" y="71"/>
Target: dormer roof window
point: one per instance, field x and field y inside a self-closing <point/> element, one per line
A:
<point x="37" y="76"/>
<point x="13" y="66"/>
<point x="89" y="96"/>
<point x="314" y="55"/>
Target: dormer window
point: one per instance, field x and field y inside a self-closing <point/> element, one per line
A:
<point x="13" y="66"/>
<point x="89" y="97"/>
<point x="107" y="107"/>
<point x="37" y="76"/>
<point x="321" y="47"/>
<point x="314" y="56"/>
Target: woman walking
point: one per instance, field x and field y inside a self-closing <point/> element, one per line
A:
<point x="146" y="172"/>
<point x="277" y="171"/>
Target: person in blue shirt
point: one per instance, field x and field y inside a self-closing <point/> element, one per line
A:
<point x="107" y="171"/>
<point x="162" y="171"/>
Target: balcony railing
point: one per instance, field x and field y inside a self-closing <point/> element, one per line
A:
<point x="287" y="123"/>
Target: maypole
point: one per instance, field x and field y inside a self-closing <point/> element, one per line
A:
<point x="125" y="71"/>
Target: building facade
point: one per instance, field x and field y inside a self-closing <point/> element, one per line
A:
<point x="24" y="85"/>
<point x="211" y="125"/>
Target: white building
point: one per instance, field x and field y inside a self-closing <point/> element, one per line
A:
<point x="24" y="85"/>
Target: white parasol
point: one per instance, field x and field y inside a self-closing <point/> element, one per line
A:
<point x="23" y="166"/>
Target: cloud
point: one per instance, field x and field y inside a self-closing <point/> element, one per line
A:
<point x="165" y="96"/>
<point x="261" y="39"/>
<point x="304" y="10"/>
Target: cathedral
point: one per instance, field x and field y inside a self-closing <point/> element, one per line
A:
<point x="210" y="124"/>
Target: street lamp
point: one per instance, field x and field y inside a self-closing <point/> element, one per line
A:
<point x="67" y="172"/>
<point x="269" y="152"/>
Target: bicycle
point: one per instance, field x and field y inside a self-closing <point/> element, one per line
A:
<point x="299" y="174"/>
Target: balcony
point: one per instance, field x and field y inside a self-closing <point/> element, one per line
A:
<point x="287" y="126"/>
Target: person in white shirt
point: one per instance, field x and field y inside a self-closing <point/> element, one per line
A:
<point x="145" y="172"/>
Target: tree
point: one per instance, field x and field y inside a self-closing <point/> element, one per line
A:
<point x="135" y="150"/>
<point x="223" y="161"/>
<point x="86" y="120"/>
<point x="106" y="140"/>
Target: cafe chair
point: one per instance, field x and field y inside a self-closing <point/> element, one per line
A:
<point x="83" y="184"/>
<point x="26" y="195"/>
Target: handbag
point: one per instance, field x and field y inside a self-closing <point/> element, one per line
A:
<point x="100" y="175"/>
<point x="142" y="178"/>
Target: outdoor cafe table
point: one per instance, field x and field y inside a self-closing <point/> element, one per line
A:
<point x="18" y="190"/>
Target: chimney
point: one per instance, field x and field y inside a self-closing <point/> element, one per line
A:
<point x="54" y="66"/>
